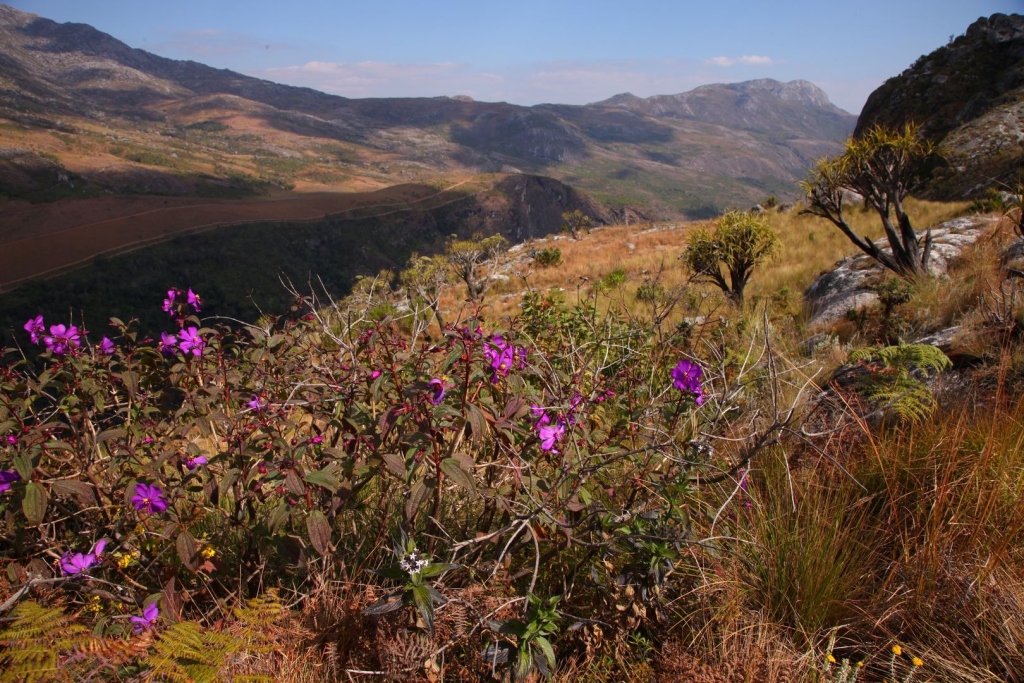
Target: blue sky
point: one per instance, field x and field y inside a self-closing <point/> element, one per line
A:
<point x="529" y="51"/>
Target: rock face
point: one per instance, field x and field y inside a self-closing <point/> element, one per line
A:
<point x="850" y="284"/>
<point x="967" y="96"/>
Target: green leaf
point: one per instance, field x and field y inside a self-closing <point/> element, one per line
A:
<point x="416" y="495"/>
<point x="187" y="549"/>
<point x="319" y="531"/>
<point x="477" y="422"/>
<point x="436" y="569"/>
<point x="421" y="596"/>
<point x="23" y="463"/>
<point x="294" y="484"/>
<point x="545" y="646"/>
<point x="454" y="471"/>
<point x="278" y="516"/>
<point x="324" y="478"/>
<point x="34" y="503"/>
<point x="395" y="463"/>
<point x="78" y="489"/>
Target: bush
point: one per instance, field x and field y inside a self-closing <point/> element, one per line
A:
<point x="738" y="242"/>
<point x="614" y="279"/>
<point x="551" y="256"/>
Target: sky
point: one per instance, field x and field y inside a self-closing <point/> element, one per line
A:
<point x="531" y="51"/>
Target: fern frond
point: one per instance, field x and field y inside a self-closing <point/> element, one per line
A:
<point x="906" y="357"/>
<point x="36" y="645"/>
<point x="901" y="391"/>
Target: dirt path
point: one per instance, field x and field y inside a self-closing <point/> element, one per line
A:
<point x="57" y="250"/>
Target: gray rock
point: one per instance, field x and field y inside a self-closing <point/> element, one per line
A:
<point x="850" y="283"/>
<point x="943" y="339"/>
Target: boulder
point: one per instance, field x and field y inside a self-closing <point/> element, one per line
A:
<point x="849" y="285"/>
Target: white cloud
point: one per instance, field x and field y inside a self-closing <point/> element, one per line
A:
<point x="384" y="79"/>
<point x="749" y="60"/>
<point x="211" y="42"/>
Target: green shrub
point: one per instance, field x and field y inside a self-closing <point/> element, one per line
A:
<point x="552" y="256"/>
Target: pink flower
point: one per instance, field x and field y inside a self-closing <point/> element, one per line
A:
<point x="189" y="341"/>
<point x="168" y="342"/>
<point x="149" y="499"/>
<point x="106" y="346"/>
<point x="549" y="435"/>
<point x="539" y="414"/>
<point x="193" y="299"/>
<point x="61" y="339"/>
<point x="375" y="374"/>
<point x="257" y="403"/>
<point x="12" y="439"/>
<point x="192" y="462"/>
<point x="35" y="327"/>
<point x="172" y="294"/>
<point x="79" y="563"/>
<point x="436" y="390"/>
<point x="317" y="439"/>
<point x="145" y="622"/>
<point x="8" y="477"/>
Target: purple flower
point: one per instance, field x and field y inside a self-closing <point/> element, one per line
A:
<point x="375" y="374"/>
<point x="12" y="439"/>
<point x="192" y="462"/>
<point x="437" y="390"/>
<point x="145" y="622"/>
<point x="35" y="327"/>
<point x="687" y="377"/>
<point x="106" y="346"/>
<point x="257" y="403"/>
<point x="79" y="563"/>
<point x="149" y="498"/>
<point x="61" y="339"/>
<point x="549" y="435"/>
<point x="8" y="477"/>
<point x="539" y="414"/>
<point x="189" y="341"/>
<point x="502" y="356"/>
<point x="172" y="294"/>
<point x="317" y="439"/>
<point x="193" y="299"/>
<point x="168" y="342"/>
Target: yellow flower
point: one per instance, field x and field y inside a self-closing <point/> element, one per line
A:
<point x="860" y="663"/>
<point x="897" y="650"/>
<point x="94" y="604"/>
<point x="208" y="552"/>
<point x="917" y="661"/>
<point x="831" y="659"/>
<point x="123" y="561"/>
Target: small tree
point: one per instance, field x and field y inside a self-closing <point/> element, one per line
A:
<point x="466" y="255"/>
<point x="424" y="280"/>
<point x="739" y="242"/>
<point x="576" y="221"/>
<point x="879" y="167"/>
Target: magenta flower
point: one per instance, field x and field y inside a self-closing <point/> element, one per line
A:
<point x="193" y="299"/>
<point x="106" y="346"/>
<point x="79" y="563"/>
<point x="687" y="377"/>
<point x="35" y="328"/>
<point x="317" y="439"/>
<point x="145" y="622"/>
<point x="550" y="435"/>
<point x="539" y="414"/>
<point x="12" y="439"/>
<point x="257" y="403"/>
<point x="375" y="374"/>
<point x="8" y="477"/>
<point x="189" y="341"/>
<point x="168" y="342"/>
<point x="172" y="294"/>
<point x="436" y="390"/>
<point x="61" y="339"/>
<point x="194" y="461"/>
<point x="149" y="499"/>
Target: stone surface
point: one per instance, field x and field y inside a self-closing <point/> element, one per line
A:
<point x="850" y="283"/>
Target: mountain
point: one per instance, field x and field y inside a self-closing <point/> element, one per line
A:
<point x="129" y="120"/>
<point x="968" y="97"/>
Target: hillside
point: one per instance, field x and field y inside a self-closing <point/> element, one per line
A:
<point x="968" y="97"/>
<point x="88" y="109"/>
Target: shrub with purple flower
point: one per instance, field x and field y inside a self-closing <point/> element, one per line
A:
<point x="79" y="562"/>
<point x="687" y="377"/>
<point x="35" y="328"/>
<point x="149" y="615"/>
<point x="62" y="339"/>
<point x="194" y="461"/>
<point x="8" y="477"/>
<point x="168" y="342"/>
<point x="550" y="435"/>
<point x="502" y="356"/>
<point x="189" y="341"/>
<point x="436" y="386"/>
<point x="149" y="498"/>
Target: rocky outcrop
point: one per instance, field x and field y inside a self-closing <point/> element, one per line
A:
<point x="967" y="96"/>
<point x="851" y="282"/>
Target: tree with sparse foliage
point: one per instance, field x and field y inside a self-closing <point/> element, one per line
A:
<point x="465" y="256"/>
<point x="575" y="222"/>
<point x="424" y="280"/>
<point x="737" y="242"/>
<point x="880" y="167"/>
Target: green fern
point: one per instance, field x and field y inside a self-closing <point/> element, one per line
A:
<point x="188" y="652"/>
<point x="37" y="645"/>
<point x="899" y="388"/>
